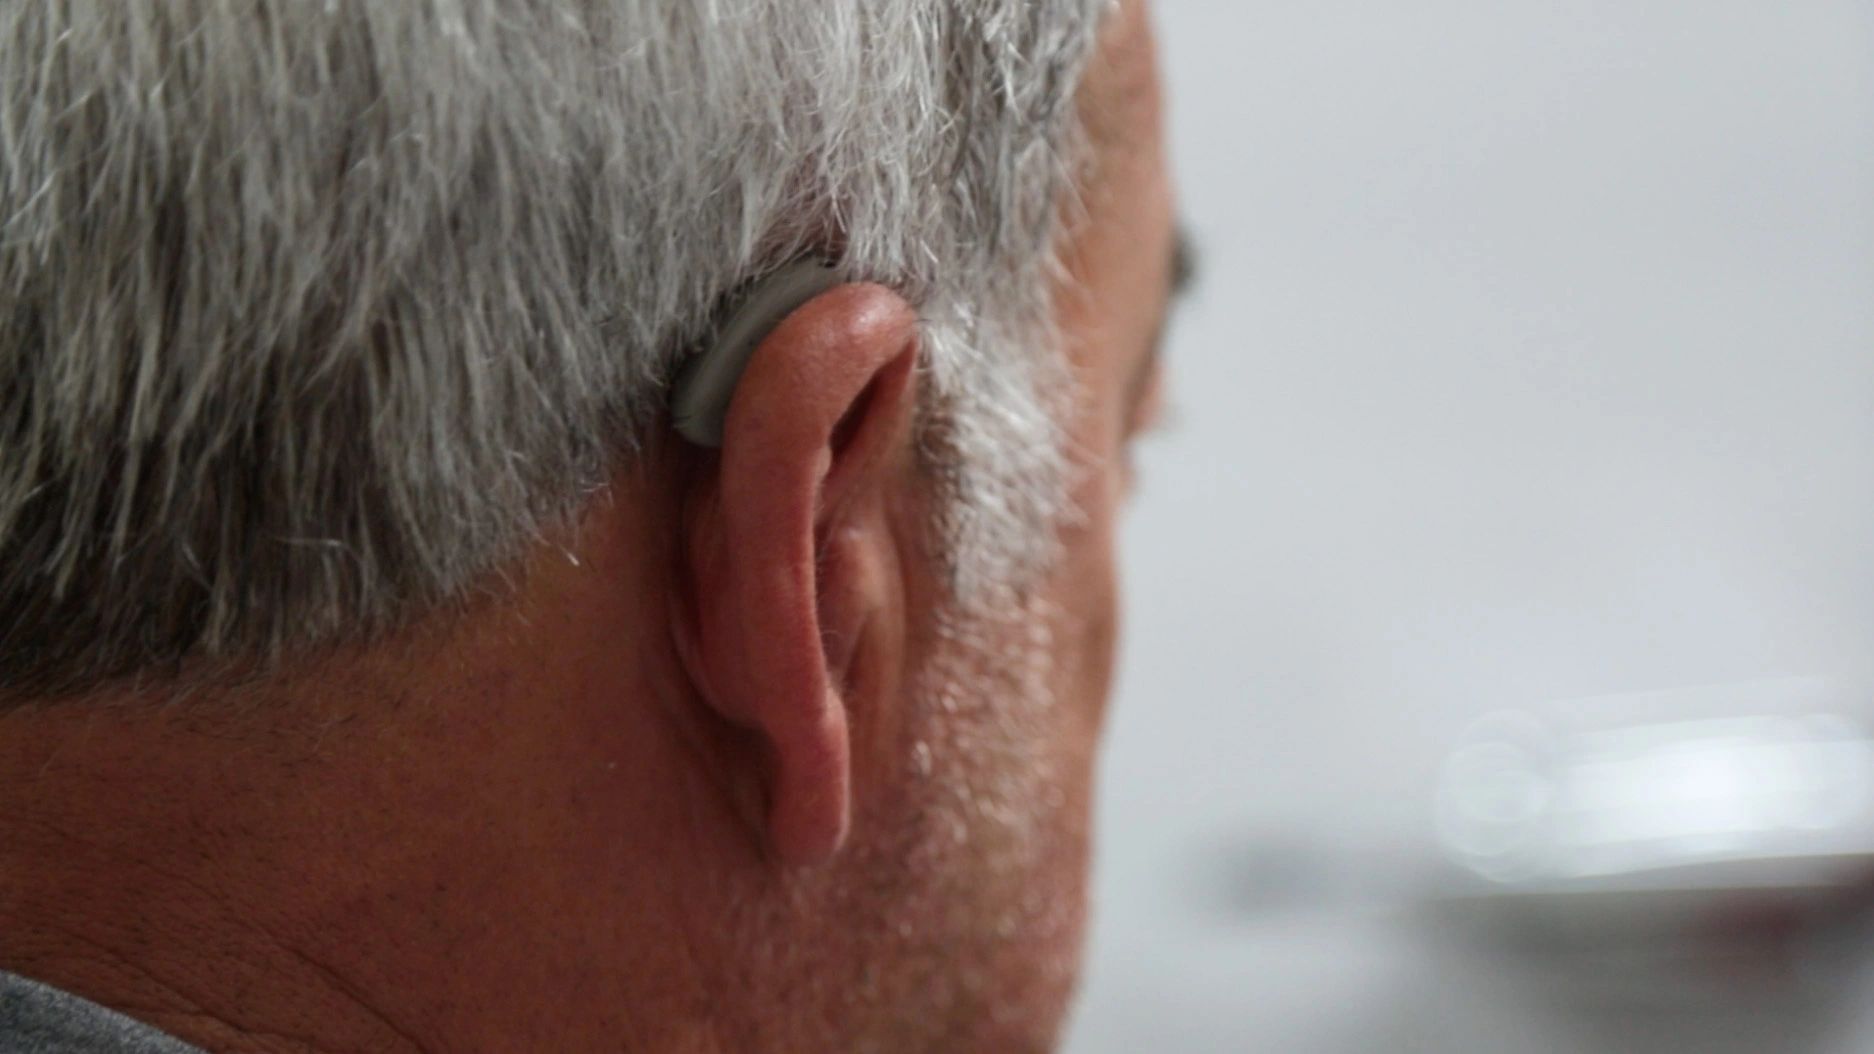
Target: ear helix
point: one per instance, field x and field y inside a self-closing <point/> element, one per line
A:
<point x="700" y="399"/>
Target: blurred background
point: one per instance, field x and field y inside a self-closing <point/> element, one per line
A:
<point x="1531" y="370"/>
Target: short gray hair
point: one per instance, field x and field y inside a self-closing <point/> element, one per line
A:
<point x="313" y="314"/>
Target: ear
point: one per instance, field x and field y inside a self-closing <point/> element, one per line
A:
<point x="773" y="615"/>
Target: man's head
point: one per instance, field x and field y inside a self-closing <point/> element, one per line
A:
<point x="368" y="633"/>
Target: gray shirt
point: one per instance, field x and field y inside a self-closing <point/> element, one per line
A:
<point x="39" y="1019"/>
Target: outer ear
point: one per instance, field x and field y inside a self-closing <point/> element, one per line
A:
<point x="823" y="397"/>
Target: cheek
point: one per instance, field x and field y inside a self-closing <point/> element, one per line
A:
<point x="1087" y="596"/>
<point x="1086" y="589"/>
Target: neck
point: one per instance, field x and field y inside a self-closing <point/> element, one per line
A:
<point x="338" y="893"/>
<point x="368" y="864"/>
<point x="186" y="879"/>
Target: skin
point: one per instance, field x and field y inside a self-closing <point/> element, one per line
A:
<point x="724" y="770"/>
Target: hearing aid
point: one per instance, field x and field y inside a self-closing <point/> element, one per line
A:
<point x="700" y="398"/>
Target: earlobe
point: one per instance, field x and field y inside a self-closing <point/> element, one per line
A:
<point x="820" y="405"/>
<point x="810" y="796"/>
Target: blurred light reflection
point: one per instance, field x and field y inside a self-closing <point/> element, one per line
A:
<point x="1518" y="803"/>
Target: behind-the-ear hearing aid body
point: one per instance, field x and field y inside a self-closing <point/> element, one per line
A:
<point x="700" y="398"/>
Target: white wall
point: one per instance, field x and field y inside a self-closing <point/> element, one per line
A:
<point x="1534" y="358"/>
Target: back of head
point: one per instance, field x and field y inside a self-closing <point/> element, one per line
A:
<point x="312" y="315"/>
<point x="379" y="667"/>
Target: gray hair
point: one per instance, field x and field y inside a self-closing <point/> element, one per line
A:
<point x="314" y="314"/>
